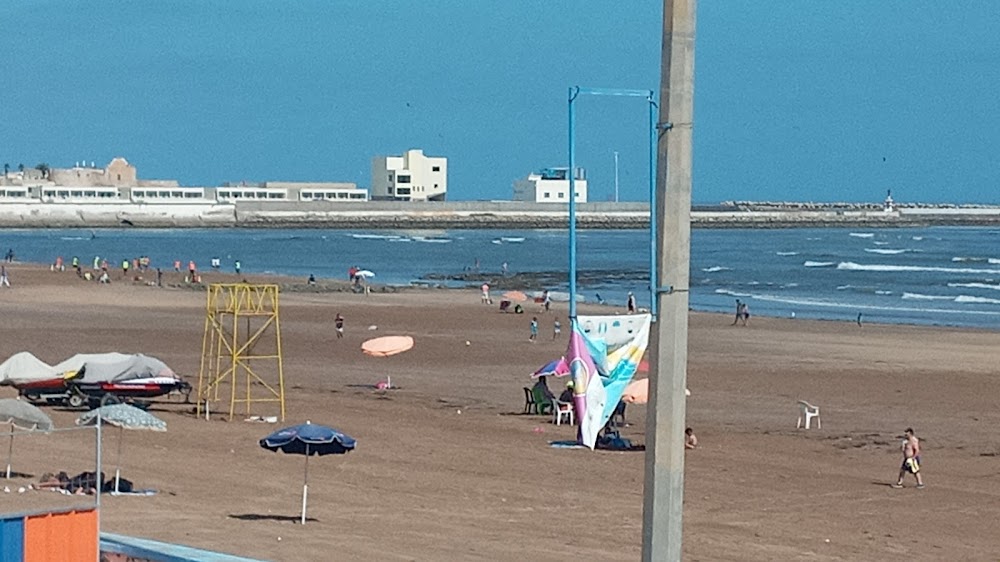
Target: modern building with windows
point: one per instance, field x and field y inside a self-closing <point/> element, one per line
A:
<point x="551" y="185"/>
<point x="410" y="177"/>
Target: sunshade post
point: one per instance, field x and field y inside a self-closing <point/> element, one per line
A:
<point x="99" y="469"/>
<point x="10" y="450"/>
<point x="118" y="466"/>
<point x="305" y="486"/>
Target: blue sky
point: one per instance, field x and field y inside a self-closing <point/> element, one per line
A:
<point x="795" y="100"/>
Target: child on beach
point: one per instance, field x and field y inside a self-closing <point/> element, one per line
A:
<point x="556" y="330"/>
<point x="338" y="323"/>
<point x="534" y="329"/>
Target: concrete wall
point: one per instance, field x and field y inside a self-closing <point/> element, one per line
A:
<point x="390" y="214"/>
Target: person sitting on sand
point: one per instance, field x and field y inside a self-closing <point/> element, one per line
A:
<point x="690" y="441"/>
<point x="567" y="395"/>
<point x="541" y="389"/>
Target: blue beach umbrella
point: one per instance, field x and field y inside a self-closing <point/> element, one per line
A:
<point x="308" y="439"/>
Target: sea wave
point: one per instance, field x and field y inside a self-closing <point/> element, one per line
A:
<point x="969" y="259"/>
<point x="918" y="296"/>
<point x="851" y="266"/>
<point x="818" y="263"/>
<point x="886" y="251"/>
<point x="862" y="234"/>
<point x="976" y="300"/>
<point x="853" y="306"/>
<point x="975" y="285"/>
<point x="715" y="268"/>
<point x="512" y="239"/>
<point x="431" y="240"/>
<point x="375" y="236"/>
<point x="917" y="238"/>
<point x="994" y="261"/>
<point x="787" y="253"/>
<point x="731" y="293"/>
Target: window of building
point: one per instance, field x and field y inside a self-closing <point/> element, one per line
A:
<point x="402" y="179"/>
<point x="547" y="195"/>
<point x="436" y="169"/>
<point x="403" y="191"/>
<point x="435" y="186"/>
<point x="357" y="196"/>
<point x="190" y="195"/>
<point x="390" y="177"/>
<point x="390" y="191"/>
<point x="119" y="177"/>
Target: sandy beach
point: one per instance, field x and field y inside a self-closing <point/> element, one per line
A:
<point x="447" y="467"/>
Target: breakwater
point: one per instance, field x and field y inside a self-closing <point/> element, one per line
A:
<point x="464" y="215"/>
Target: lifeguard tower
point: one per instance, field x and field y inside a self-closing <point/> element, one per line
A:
<point x="242" y="348"/>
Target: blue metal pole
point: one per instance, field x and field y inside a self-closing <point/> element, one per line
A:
<point x="572" y="209"/>
<point x="653" y="281"/>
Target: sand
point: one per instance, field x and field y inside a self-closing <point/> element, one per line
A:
<point x="448" y="468"/>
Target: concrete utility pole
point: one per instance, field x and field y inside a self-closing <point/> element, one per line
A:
<point x="663" y="495"/>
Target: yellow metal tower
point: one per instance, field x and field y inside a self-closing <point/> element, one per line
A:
<point x="242" y="346"/>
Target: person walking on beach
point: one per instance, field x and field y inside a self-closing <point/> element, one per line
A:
<point x="556" y="329"/>
<point x="4" y="280"/>
<point x="238" y="266"/>
<point x="630" y="303"/>
<point x="534" y="329"/>
<point x="486" y="294"/>
<point x="177" y="266"/>
<point x="503" y="269"/>
<point x="546" y="300"/>
<point x="911" y="459"/>
<point x="739" y="312"/>
<point x="338" y="324"/>
<point x="744" y="313"/>
<point x="159" y="277"/>
<point x="125" y="266"/>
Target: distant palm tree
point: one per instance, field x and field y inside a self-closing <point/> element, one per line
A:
<point x="6" y="168"/>
<point x="20" y="168"/>
<point x="44" y="169"/>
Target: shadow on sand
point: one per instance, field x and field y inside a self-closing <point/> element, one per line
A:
<point x="262" y="517"/>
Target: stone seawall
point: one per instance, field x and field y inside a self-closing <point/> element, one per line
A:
<point x="498" y="215"/>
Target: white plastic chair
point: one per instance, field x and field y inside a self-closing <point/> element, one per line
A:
<point x="560" y="409"/>
<point x="806" y="413"/>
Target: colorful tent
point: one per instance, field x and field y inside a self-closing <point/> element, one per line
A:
<point x="614" y="346"/>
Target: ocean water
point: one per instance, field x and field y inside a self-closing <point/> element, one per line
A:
<point x="934" y="276"/>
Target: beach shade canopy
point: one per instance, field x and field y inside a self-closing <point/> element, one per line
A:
<point x="364" y="273"/>
<point x="21" y="414"/>
<point x="556" y="368"/>
<point x="387" y="345"/>
<point x="308" y="439"/>
<point x="515" y="296"/>
<point x="124" y="417"/>
<point x="24" y="416"/>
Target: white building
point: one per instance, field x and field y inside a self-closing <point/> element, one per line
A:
<point x="410" y="177"/>
<point x="551" y="185"/>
